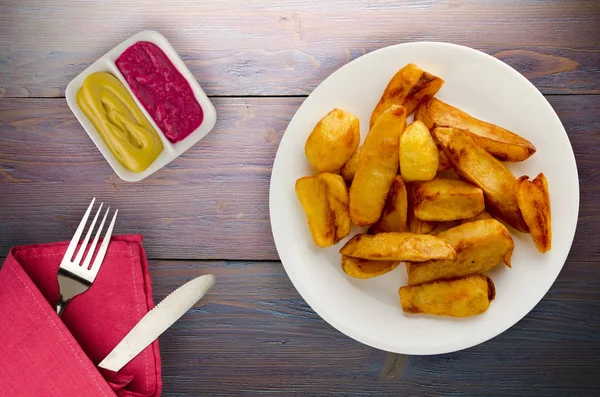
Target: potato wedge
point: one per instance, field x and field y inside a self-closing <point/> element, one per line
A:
<point x="475" y="165"/>
<point x="398" y="247"/>
<point x="480" y="217"/>
<point x="364" y="268"/>
<point x="479" y="247"/>
<point x="410" y="86"/>
<point x="349" y="169"/>
<point x="312" y="193"/>
<point x="333" y="140"/>
<point x="447" y="200"/>
<point x="419" y="156"/>
<point x="337" y="197"/>
<point x="501" y="143"/>
<point x="377" y="167"/>
<point x="414" y="224"/>
<point x="443" y="162"/>
<point x="459" y="297"/>
<point x="534" y="202"/>
<point x="394" y="214"/>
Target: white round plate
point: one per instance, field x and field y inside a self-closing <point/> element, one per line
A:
<point x="369" y="310"/>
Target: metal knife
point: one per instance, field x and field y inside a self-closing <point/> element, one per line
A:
<point x="157" y="321"/>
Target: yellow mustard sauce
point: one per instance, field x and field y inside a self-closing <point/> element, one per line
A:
<point x="125" y="130"/>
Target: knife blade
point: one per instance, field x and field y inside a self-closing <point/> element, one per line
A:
<point x="157" y="321"/>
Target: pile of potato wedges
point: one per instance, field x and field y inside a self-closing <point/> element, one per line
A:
<point x="435" y="194"/>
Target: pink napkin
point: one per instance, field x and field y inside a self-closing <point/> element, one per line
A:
<point x="44" y="355"/>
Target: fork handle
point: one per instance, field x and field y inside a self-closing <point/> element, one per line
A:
<point x="60" y="306"/>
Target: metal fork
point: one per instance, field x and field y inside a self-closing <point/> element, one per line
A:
<point x="75" y="277"/>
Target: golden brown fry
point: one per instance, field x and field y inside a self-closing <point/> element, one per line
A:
<point x="364" y="268"/>
<point x="479" y="247"/>
<point x="419" y="156"/>
<point x="443" y="162"/>
<point x="410" y="86"/>
<point x="398" y="247"/>
<point x="534" y="202"/>
<point x="333" y="140"/>
<point x="447" y="200"/>
<point x="480" y="217"/>
<point x="477" y="166"/>
<point x="414" y="224"/>
<point x="394" y="214"/>
<point x="312" y="193"/>
<point x="337" y="197"/>
<point x="459" y="297"/>
<point x="377" y="167"/>
<point x="349" y="169"/>
<point x="503" y="144"/>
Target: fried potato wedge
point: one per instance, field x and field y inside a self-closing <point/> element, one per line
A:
<point x="333" y="140"/>
<point x="398" y="247"/>
<point x="501" y="143"/>
<point x="419" y="156"/>
<point x="534" y="202"/>
<point x="480" y="217"/>
<point x="479" y="247"/>
<point x="410" y="86"/>
<point x="443" y="162"/>
<point x="324" y="199"/>
<point x="377" y="167"/>
<point x="364" y="268"/>
<point x="459" y="297"/>
<point x="349" y="169"/>
<point x="447" y="200"/>
<point x="312" y="193"/>
<point x="473" y="164"/>
<point x="337" y="197"/>
<point x="394" y="214"/>
<point x="414" y="224"/>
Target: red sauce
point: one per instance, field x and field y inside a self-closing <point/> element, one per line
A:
<point x="162" y="90"/>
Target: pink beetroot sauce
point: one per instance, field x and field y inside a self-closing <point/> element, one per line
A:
<point x="163" y="91"/>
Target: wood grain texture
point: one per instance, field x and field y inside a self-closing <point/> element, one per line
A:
<point x="254" y="335"/>
<point x="290" y="46"/>
<point x="216" y="194"/>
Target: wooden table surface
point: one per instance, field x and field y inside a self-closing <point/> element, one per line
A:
<point x="208" y="210"/>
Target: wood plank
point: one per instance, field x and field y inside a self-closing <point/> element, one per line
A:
<point x="253" y="334"/>
<point x="288" y="48"/>
<point x="215" y="195"/>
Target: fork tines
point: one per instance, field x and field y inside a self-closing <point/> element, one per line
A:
<point x="75" y="266"/>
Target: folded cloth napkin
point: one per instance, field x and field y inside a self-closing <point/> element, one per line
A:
<point x="42" y="354"/>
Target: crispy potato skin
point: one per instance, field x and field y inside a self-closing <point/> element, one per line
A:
<point x="419" y="155"/>
<point x="394" y="214"/>
<point x="501" y="143"/>
<point x="474" y="164"/>
<point x="312" y="193"/>
<point x="364" y="268"/>
<point x="447" y="200"/>
<point x="479" y="247"/>
<point x="534" y="202"/>
<point x="349" y="169"/>
<point x="410" y="86"/>
<point x="443" y="162"/>
<point x="414" y="224"/>
<point x="377" y="167"/>
<point x="398" y="247"/>
<point x="333" y="140"/>
<point x="337" y="197"/>
<point x="459" y="297"/>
